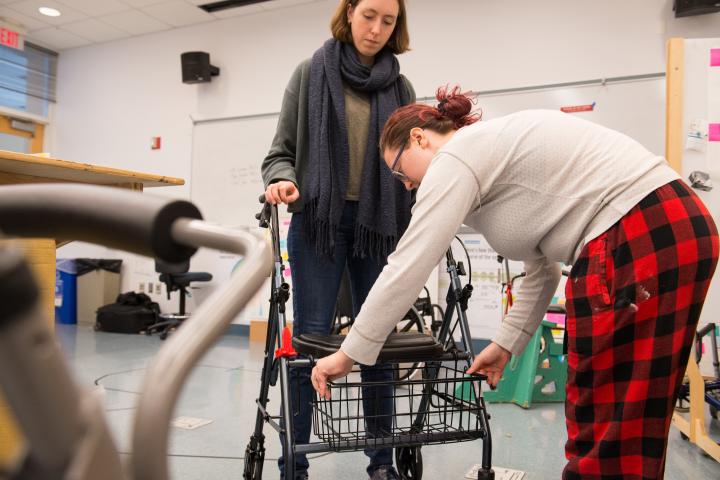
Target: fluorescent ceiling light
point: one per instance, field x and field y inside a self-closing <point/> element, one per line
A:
<point x="50" y="12"/>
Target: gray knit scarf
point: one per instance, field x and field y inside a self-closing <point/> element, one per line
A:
<point x="384" y="205"/>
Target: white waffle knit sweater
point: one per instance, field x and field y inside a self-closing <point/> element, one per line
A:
<point x="539" y="185"/>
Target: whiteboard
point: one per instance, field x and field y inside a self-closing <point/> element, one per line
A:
<point x="225" y="177"/>
<point x="227" y="155"/>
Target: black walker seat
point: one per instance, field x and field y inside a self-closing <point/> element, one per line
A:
<point x="399" y="347"/>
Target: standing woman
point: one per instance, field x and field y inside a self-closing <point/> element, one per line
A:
<point x="545" y="187"/>
<point x="347" y="208"/>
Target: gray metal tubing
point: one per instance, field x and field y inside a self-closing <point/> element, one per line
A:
<point x="107" y="216"/>
<point x="172" y="365"/>
<point x="41" y="391"/>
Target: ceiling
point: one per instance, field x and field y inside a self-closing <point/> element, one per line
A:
<point x="85" y="22"/>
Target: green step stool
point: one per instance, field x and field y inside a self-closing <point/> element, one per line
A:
<point x="527" y="377"/>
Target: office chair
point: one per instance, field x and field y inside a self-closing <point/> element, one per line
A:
<point x="175" y="276"/>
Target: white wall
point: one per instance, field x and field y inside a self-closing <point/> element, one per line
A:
<point x="113" y="97"/>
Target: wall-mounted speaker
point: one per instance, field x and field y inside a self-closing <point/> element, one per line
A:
<point x="196" y="67"/>
<point x="687" y="8"/>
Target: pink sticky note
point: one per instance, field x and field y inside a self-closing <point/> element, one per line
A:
<point x="714" y="132"/>
<point x="715" y="57"/>
<point x="556" y="318"/>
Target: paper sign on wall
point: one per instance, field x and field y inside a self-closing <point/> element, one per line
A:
<point x="714" y="132"/>
<point x="715" y="57"/>
<point x="697" y="135"/>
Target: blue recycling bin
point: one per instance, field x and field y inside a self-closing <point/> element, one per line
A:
<point x="67" y="271"/>
<point x="66" y="291"/>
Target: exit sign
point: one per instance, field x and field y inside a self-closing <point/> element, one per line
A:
<point x="10" y="38"/>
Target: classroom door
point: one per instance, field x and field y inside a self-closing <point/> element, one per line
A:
<point x="21" y="136"/>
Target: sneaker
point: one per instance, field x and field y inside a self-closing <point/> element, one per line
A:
<point x="386" y="472"/>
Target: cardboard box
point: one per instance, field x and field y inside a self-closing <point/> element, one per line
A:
<point x="95" y="289"/>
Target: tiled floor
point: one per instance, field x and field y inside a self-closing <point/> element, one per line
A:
<point x="223" y="389"/>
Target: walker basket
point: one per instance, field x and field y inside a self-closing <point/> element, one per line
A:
<point x="439" y="404"/>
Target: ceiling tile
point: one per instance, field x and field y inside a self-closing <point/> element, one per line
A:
<point x="275" y="4"/>
<point x="205" y="2"/>
<point x="30" y="8"/>
<point x="135" y="22"/>
<point x="178" y="13"/>
<point x="95" y="30"/>
<point x="237" y="11"/>
<point x="142" y="3"/>
<point x="16" y="17"/>
<point x="95" y="8"/>
<point x="57" y="39"/>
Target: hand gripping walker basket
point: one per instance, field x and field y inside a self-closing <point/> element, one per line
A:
<point x="438" y="404"/>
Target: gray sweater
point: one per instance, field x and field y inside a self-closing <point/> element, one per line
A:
<point x="538" y="185"/>
<point x="289" y="152"/>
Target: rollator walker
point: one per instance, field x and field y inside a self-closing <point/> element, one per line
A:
<point x="438" y="404"/>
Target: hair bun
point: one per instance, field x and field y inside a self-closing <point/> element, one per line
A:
<point x="456" y="106"/>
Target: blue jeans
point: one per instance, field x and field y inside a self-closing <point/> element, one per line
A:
<point x="316" y="282"/>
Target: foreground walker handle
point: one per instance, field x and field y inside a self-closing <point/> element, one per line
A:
<point x="107" y="216"/>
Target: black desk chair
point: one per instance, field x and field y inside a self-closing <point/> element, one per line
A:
<point x="175" y="276"/>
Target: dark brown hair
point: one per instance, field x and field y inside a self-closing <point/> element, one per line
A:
<point x="399" y="41"/>
<point x="451" y="113"/>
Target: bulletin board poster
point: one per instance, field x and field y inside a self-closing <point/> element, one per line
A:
<point x="485" y="308"/>
<point x="487" y="304"/>
<point x="258" y="307"/>
<point x="223" y="265"/>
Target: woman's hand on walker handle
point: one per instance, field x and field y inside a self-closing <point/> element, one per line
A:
<point x="329" y="368"/>
<point x="283" y="191"/>
<point x="491" y="362"/>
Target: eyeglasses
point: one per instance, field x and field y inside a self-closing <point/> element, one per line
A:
<point x="396" y="173"/>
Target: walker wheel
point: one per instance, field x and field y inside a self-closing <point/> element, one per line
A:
<point x="409" y="463"/>
<point x="253" y="464"/>
<point x="488" y="474"/>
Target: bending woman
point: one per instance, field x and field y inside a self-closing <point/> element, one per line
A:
<point x="347" y="209"/>
<point x="545" y="187"/>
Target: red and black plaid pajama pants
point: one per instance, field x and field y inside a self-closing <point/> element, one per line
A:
<point x="634" y="297"/>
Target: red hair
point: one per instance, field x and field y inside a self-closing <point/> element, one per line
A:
<point x="451" y="113"/>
